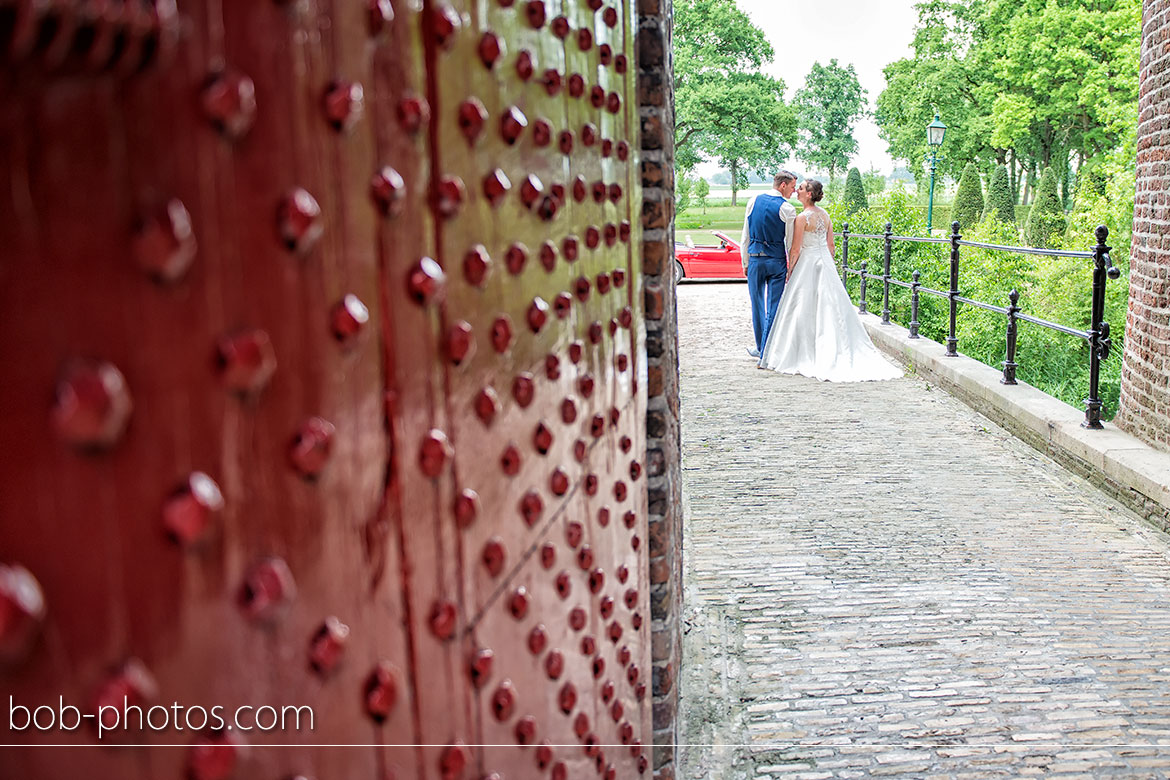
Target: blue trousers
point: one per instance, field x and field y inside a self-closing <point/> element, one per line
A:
<point x="765" y="278"/>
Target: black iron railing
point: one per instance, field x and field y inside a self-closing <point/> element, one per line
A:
<point x="1097" y="336"/>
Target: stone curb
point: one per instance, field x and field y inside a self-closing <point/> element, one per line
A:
<point x="1120" y="464"/>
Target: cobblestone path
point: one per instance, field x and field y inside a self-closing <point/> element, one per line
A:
<point x="881" y="582"/>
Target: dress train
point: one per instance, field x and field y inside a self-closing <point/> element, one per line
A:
<point x="817" y="332"/>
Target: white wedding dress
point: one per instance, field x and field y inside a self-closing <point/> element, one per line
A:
<point x="817" y="332"/>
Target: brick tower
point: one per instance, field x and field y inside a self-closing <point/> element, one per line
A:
<point x="1145" y="395"/>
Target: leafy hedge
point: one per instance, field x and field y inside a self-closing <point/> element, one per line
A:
<point x="942" y="215"/>
<point x="1056" y="289"/>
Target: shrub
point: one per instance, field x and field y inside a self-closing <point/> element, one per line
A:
<point x="855" y="199"/>
<point x="874" y="181"/>
<point x="1000" y="203"/>
<point x="1046" y="220"/>
<point x="682" y="193"/>
<point x="968" y="206"/>
<point x="1053" y="288"/>
<point x="895" y="206"/>
<point x="989" y="275"/>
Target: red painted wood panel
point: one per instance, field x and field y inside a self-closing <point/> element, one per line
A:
<point x="312" y="396"/>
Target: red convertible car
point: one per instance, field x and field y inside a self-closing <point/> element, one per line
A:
<point x="708" y="262"/>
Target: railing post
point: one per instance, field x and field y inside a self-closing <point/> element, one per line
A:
<point x="861" y="303"/>
<point x="845" y="255"/>
<point x="914" y="307"/>
<point x="952" y="340"/>
<point x="1009" y="365"/>
<point x="886" y="276"/>
<point x="1099" y="341"/>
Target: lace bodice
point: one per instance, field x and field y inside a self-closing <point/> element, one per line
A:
<point x="816" y="230"/>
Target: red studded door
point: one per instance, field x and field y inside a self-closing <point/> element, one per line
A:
<point x="322" y="388"/>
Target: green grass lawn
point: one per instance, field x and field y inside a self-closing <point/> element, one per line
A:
<point x="716" y="216"/>
<point x="720" y="215"/>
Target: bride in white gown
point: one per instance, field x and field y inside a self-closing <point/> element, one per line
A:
<point x="817" y="332"/>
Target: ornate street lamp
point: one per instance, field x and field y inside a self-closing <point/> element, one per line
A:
<point x="935" y="132"/>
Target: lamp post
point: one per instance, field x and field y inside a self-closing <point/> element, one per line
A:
<point x="935" y="132"/>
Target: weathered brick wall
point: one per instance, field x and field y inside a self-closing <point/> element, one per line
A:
<point x="1145" y="394"/>
<point x="656" y="107"/>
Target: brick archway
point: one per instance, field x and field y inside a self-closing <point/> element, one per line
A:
<point x="656" y="112"/>
<point x="341" y="329"/>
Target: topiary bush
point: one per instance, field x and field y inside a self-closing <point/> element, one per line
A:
<point x="1000" y="204"/>
<point x="968" y="207"/>
<point x="855" y="199"/>
<point x="1046" y="220"/>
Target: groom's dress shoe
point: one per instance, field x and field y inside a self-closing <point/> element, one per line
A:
<point x="753" y="352"/>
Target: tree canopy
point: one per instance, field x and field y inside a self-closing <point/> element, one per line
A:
<point x="827" y="108"/>
<point x="1024" y="83"/>
<point x="726" y="109"/>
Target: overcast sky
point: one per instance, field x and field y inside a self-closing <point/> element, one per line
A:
<point x="867" y="33"/>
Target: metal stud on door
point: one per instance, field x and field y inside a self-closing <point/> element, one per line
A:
<point x="572" y="379"/>
<point x="364" y="296"/>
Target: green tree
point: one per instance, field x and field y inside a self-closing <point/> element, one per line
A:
<point x="827" y="108"/>
<point x="726" y="108"/>
<point x="748" y="126"/>
<point x="968" y="205"/>
<point x="1000" y="203"/>
<point x="937" y="78"/>
<point x="874" y="181"/>
<point x="1071" y="68"/>
<point x="1046" y="220"/>
<point x="855" y="199"/>
<point x="702" y="190"/>
<point x="682" y="193"/>
<point x="1105" y="197"/>
<point x="1029" y="84"/>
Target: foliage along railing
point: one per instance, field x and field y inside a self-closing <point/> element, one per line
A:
<point x="1097" y="336"/>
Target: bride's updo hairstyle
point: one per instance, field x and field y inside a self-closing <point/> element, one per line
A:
<point x="815" y="190"/>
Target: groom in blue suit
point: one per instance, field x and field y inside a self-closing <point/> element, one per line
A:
<point x="767" y="235"/>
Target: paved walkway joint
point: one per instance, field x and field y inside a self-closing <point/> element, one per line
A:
<point x="880" y="582"/>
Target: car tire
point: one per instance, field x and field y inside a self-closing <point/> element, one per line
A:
<point x="678" y="272"/>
